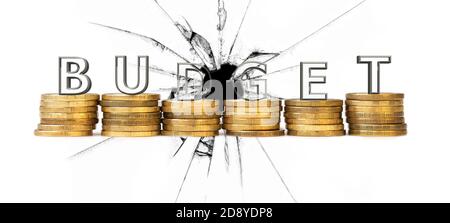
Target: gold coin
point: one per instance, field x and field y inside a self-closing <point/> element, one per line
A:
<point x="45" y="127"/>
<point x="106" y="103"/>
<point x="373" y="114"/>
<point x="267" y="133"/>
<point x="239" y="127"/>
<point x="388" y="120"/>
<point x="190" y="134"/>
<point x="374" y="109"/>
<point x="52" y="121"/>
<point x="132" y="122"/>
<point x="131" y="128"/>
<point x="314" y="103"/>
<point x="378" y="132"/>
<point x="130" y="109"/>
<point x="130" y="134"/>
<point x="209" y="103"/>
<point x="69" y="115"/>
<point x="252" y="103"/>
<point x="65" y="104"/>
<point x="192" y="122"/>
<point x="62" y="133"/>
<point x="316" y="133"/>
<point x="133" y="116"/>
<point x="377" y="127"/>
<point x="191" y="128"/>
<point x="375" y="97"/>
<point x="374" y="103"/>
<point x="322" y="121"/>
<point x="81" y="97"/>
<point x="191" y="110"/>
<point x="313" y="109"/>
<point x="170" y="115"/>
<point x="251" y="121"/>
<point x="315" y="127"/>
<point x="125" y="97"/>
<point x="253" y="115"/>
<point x="290" y="115"/>
<point x="68" y="109"/>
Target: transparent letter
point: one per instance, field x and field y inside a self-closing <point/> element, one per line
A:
<point x="188" y="71"/>
<point x="122" y="80"/>
<point x="374" y="71"/>
<point x="307" y="79"/>
<point x="73" y="69"/>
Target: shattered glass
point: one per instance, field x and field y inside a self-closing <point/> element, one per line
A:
<point x="221" y="51"/>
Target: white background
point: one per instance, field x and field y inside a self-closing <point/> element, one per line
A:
<point x="414" y="168"/>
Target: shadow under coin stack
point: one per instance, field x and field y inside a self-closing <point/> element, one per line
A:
<point x="131" y="115"/>
<point x="314" y="118"/>
<point x="194" y="118"/>
<point x="375" y="114"/>
<point x="252" y="118"/>
<point x="67" y="115"/>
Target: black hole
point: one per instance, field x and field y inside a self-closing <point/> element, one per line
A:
<point x="223" y="74"/>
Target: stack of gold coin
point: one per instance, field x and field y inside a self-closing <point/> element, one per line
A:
<point x="319" y="118"/>
<point x="67" y="115"/>
<point x="375" y="114"/>
<point x="131" y="115"/>
<point x="195" y="118"/>
<point x="252" y="118"/>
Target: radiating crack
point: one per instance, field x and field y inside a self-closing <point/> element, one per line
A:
<point x="318" y="30"/>
<point x="182" y="143"/>
<point x="194" y="154"/>
<point x="185" y="177"/>
<point x="240" y="161"/>
<point x="226" y="153"/>
<point x="88" y="149"/>
<point x="161" y="71"/>
<point x="211" y="152"/>
<point x="239" y="30"/>
<point x="279" y="71"/>
<point x="199" y="45"/>
<point x="153" y="41"/>
<point x="276" y="170"/>
<point x="222" y="17"/>
<point x="204" y="148"/>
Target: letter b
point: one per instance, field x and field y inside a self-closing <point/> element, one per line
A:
<point x="73" y="69"/>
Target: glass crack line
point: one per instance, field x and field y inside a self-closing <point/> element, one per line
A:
<point x="318" y="30"/>
<point x="182" y="143"/>
<point x="238" y="31"/>
<point x="179" y="27"/>
<point x="90" y="148"/>
<point x="187" y="172"/>
<point x="155" y="42"/>
<point x="276" y="170"/>
<point x="240" y="162"/>
<point x="161" y="71"/>
<point x="210" y="161"/>
<point x="226" y="153"/>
